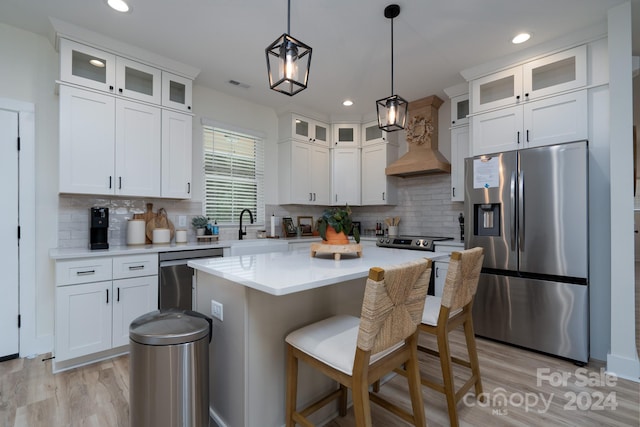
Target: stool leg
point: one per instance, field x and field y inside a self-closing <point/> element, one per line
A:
<point x="473" y="355"/>
<point x="415" y="385"/>
<point x="292" y="386"/>
<point x="447" y="375"/>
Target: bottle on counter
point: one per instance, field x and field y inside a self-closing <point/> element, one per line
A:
<point x="216" y="230"/>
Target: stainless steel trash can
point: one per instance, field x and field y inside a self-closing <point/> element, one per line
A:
<point x="169" y="369"/>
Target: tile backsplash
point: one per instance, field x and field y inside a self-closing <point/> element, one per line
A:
<point x="424" y="207"/>
<point x="73" y="217"/>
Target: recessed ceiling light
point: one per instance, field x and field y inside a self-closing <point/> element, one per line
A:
<point x="347" y="103"/>
<point x="119" y="5"/>
<point x="96" y="63"/>
<point x="521" y="38"/>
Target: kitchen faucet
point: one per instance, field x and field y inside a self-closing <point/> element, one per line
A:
<point x="240" y="232"/>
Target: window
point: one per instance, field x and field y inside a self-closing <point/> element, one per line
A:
<point x="233" y="175"/>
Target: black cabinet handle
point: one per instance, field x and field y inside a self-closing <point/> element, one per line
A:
<point x="526" y="95"/>
<point x="110" y="87"/>
<point x="120" y="90"/>
<point x="110" y="185"/>
<point x="518" y="97"/>
<point x="118" y="299"/>
<point x="453" y="122"/>
<point x="107" y="296"/>
<point x="437" y="272"/>
<point x="119" y="183"/>
<point x="527" y="135"/>
<point x="84" y="273"/>
<point x="188" y="188"/>
<point x="454" y="192"/>
<point x="518" y="137"/>
<point x="189" y="107"/>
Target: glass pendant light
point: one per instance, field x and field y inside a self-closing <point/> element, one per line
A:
<point x="288" y="62"/>
<point x="392" y="111"/>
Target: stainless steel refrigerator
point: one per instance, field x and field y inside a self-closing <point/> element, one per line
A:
<point x="528" y="209"/>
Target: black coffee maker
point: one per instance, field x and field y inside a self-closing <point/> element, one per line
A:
<point x="99" y="228"/>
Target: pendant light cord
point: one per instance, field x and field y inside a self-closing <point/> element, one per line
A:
<point x="391" y="56"/>
<point x="289" y="17"/>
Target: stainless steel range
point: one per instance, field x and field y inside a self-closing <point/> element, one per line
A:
<point x="416" y="243"/>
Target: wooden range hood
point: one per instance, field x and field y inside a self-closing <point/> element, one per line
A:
<point x="423" y="156"/>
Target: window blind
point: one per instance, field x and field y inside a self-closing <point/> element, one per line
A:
<point x="233" y="176"/>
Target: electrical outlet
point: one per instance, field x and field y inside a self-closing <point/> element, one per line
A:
<point x="216" y="309"/>
<point x="182" y="220"/>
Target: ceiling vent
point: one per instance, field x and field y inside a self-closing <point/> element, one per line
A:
<point x="239" y="84"/>
<point x="423" y="156"/>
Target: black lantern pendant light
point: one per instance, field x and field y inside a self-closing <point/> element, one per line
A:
<point x="288" y="62"/>
<point x="392" y="111"/>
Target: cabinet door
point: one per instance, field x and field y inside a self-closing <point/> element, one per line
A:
<point x="176" y="155"/>
<point x="459" y="150"/>
<point x="301" y="168"/>
<point x="176" y="92"/>
<point x="460" y="110"/>
<point x="372" y="134"/>
<point x="87" y="135"/>
<point x="137" y="149"/>
<point x="376" y="188"/>
<point x="497" y="131"/>
<point x="345" y="182"/>
<point x="555" y="73"/>
<point x="86" y="66"/>
<point x="346" y="135"/>
<point x="497" y="90"/>
<point x="556" y="120"/>
<point x="439" y="274"/>
<point x="83" y="319"/>
<point x="320" y="133"/>
<point x="301" y="128"/>
<point x="131" y="299"/>
<point x="320" y="179"/>
<point x="138" y="81"/>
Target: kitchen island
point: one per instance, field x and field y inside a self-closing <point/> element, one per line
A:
<point x="264" y="297"/>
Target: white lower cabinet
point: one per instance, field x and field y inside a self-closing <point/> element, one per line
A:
<point x="440" y="274"/>
<point x="92" y="315"/>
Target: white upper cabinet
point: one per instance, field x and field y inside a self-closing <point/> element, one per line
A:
<point x="372" y="134"/>
<point x="108" y="146"/>
<point x="459" y="151"/>
<point x="303" y="129"/>
<point x="552" y="120"/>
<point x="345" y="182"/>
<point x="176" y="92"/>
<point x="460" y="110"/>
<point x="138" y="81"/>
<point x="86" y="66"/>
<point x="546" y="76"/>
<point x="346" y="135"/>
<point x="303" y="173"/>
<point x="377" y="187"/>
<point x="176" y="154"/>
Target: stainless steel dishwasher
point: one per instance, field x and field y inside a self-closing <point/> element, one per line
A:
<point x="175" y="287"/>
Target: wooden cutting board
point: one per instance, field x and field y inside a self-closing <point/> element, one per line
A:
<point x="159" y="220"/>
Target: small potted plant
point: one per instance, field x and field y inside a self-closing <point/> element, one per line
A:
<point x="334" y="225"/>
<point x="199" y="223"/>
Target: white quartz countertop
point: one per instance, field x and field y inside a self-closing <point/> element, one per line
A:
<point x="282" y="273"/>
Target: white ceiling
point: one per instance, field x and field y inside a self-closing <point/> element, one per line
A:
<point x="225" y="39"/>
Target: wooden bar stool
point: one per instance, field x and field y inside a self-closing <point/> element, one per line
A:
<point x="357" y="352"/>
<point x="443" y="315"/>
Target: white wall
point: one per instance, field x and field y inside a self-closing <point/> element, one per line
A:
<point x="29" y="69"/>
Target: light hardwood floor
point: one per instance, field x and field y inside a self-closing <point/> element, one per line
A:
<point x="97" y="395"/>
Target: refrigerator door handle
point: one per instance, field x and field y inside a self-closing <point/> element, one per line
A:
<point x="512" y="211"/>
<point x="521" y="212"/>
